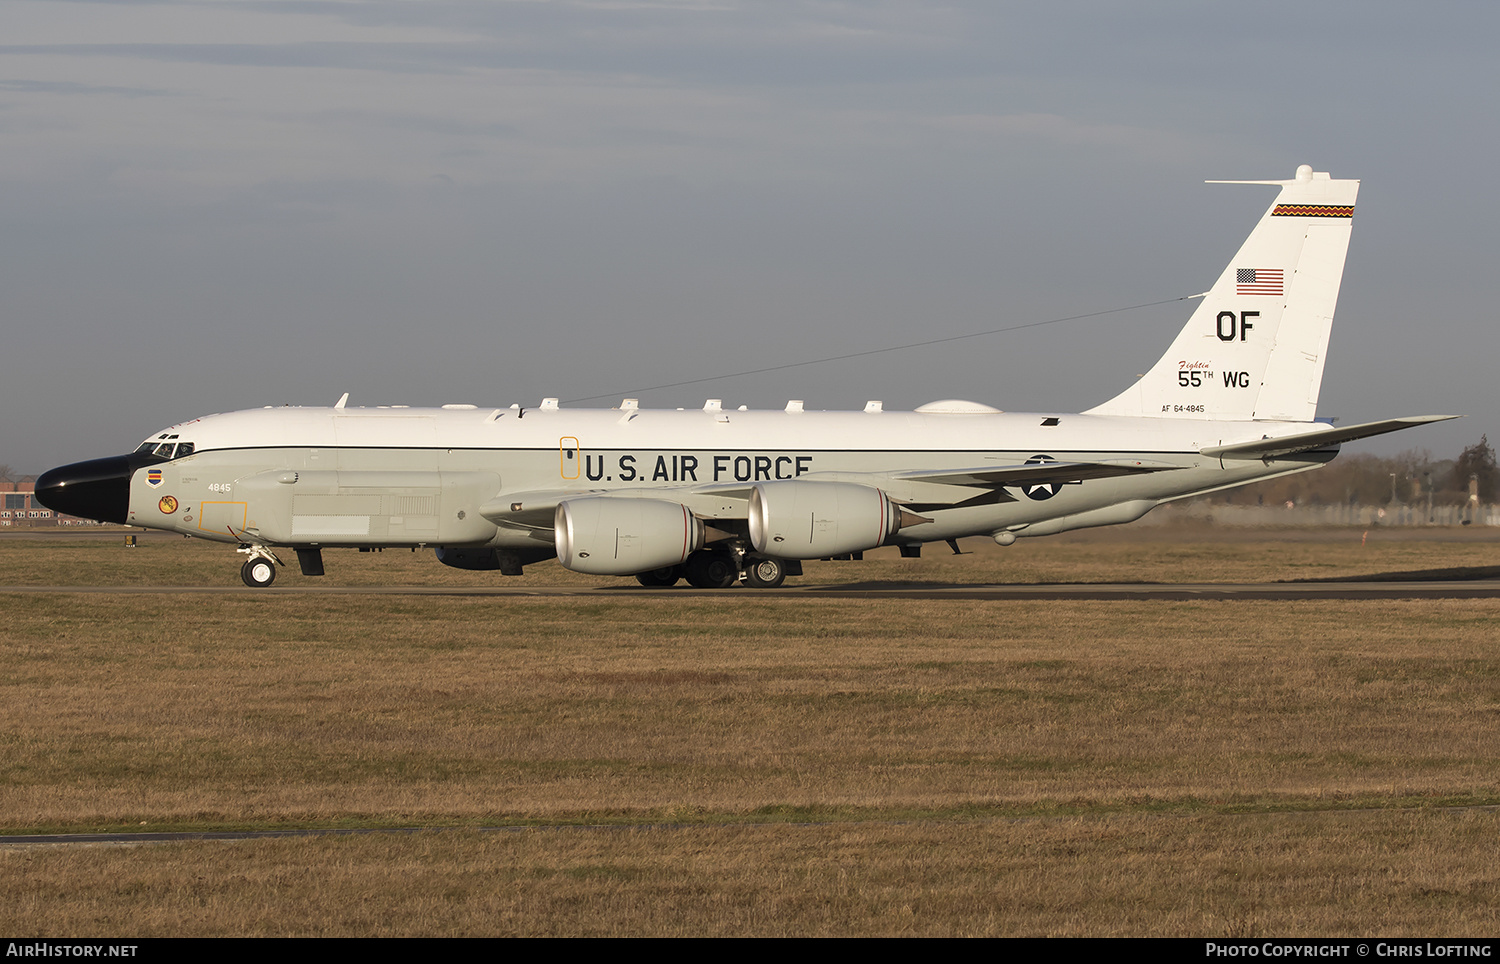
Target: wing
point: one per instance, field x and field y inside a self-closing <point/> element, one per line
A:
<point x="530" y="510"/>
<point x="537" y="509"/>
<point x="918" y="490"/>
<point x="1036" y="473"/>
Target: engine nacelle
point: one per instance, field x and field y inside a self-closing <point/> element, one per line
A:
<point x="810" y="520"/>
<point x="621" y="537"/>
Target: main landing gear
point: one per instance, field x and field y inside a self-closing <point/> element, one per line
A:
<point x="659" y="578"/>
<point x="719" y="569"/>
<point x="764" y="572"/>
<point x="711" y="569"/>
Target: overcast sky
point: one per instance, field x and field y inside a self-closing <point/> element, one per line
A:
<point x="207" y="206"/>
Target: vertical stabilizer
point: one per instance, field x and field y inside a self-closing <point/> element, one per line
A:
<point x="1255" y="347"/>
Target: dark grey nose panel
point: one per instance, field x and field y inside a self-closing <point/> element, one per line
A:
<point x="96" y="489"/>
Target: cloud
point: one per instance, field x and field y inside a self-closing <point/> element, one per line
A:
<point x="77" y="90"/>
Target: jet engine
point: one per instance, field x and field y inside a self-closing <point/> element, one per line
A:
<point x="621" y="537"/>
<point x="810" y="520"/>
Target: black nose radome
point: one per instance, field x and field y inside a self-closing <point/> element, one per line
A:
<point x="96" y="489"/>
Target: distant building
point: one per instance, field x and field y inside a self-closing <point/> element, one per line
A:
<point x="18" y="507"/>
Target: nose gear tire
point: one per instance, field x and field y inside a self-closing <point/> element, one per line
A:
<point x="258" y="572"/>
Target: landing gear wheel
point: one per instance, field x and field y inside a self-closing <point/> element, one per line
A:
<point x="659" y="578"/>
<point x="711" y="570"/>
<point x="765" y="573"/>
<point x="258" y="572"/>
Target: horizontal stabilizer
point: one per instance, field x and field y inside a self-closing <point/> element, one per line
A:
<point x="1270" y="448"/>
<point x="1037" y="473"/>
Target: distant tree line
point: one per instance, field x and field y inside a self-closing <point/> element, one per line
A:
<point x="1408" y="478"/>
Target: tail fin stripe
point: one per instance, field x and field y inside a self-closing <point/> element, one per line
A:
<point x="1313" y="211"/>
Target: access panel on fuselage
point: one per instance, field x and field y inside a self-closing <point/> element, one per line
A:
<point x="372" y="508"/>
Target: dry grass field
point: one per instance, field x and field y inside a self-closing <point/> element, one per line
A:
<point x="1157" y="553"/>
<point x="735" y="764"/>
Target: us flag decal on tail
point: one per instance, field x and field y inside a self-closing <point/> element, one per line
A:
<point x="1258" y="281"/>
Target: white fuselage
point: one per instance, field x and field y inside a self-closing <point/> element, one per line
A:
<point x="405" y="476"/>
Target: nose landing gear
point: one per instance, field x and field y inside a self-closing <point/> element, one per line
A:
<point x="259" y="570"/>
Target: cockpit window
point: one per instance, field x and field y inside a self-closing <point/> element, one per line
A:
<point x="165" y="450"/>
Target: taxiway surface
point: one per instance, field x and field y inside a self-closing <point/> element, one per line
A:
<point x="1450" y="589"/>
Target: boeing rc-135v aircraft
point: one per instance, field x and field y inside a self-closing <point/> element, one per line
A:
<point x="716" y="495"/>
